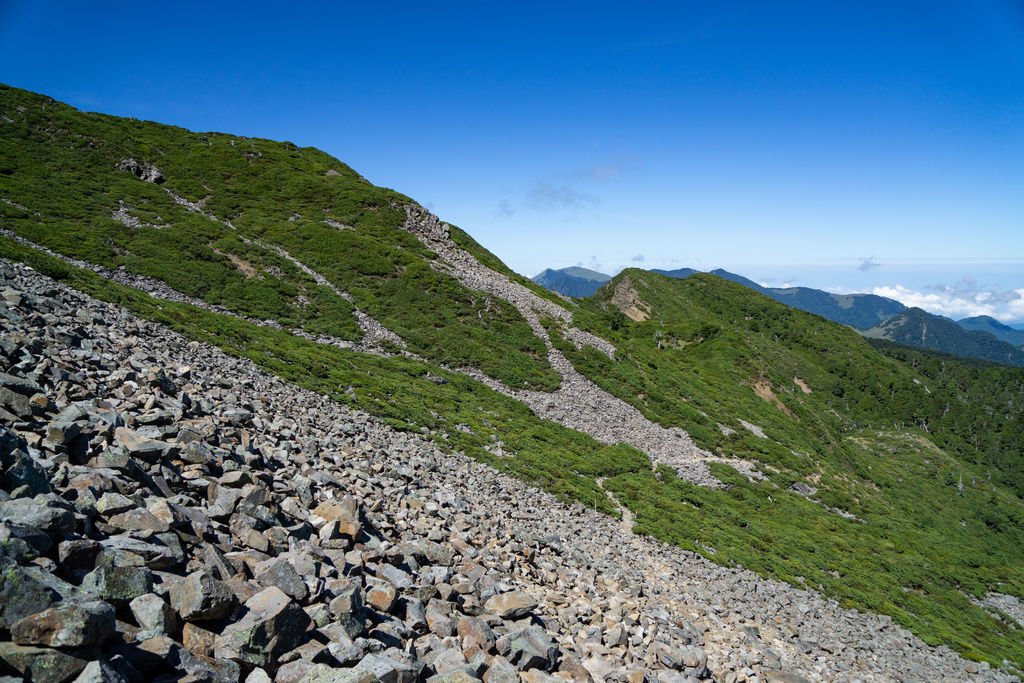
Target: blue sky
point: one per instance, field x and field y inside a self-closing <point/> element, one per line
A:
<point x="851" y="146"/>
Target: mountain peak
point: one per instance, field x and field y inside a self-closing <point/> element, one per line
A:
<point x="1002" y="332"/>
<point x="574" y="281"/>
<point x="917" y="327"/>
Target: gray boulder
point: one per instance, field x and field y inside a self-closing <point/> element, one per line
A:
<point x="201" y="597"/>
<point x="41" y="664"/>
<point x="271" y="625"/>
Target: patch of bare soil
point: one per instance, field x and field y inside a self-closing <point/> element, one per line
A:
<point x="629" y="302"/>
<point x="244" y="267"/>
<point x="763" y="388"/>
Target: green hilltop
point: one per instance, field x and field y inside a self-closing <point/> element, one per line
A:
<point x="893" y="477"/>
<point x="61" y="180"/>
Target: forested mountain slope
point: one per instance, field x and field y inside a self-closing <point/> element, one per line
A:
<point x="918" y="328"/>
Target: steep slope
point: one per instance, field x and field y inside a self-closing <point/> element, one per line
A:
<point x="921" y="329"/>
<point x="572" y="281"/>
<point x="530" y="584"/>
<point x="867" y="438"/>
<point x="861" y="311"/>
<point x="434" y="335"/>
<point x="262" y="228"/>
<point x="985" y="323"/>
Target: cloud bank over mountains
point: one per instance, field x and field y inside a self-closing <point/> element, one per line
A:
<point x="963" y="299"/>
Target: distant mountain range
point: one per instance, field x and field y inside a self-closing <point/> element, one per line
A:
<point x="861" y="311"/>
<point x="1006" y="333"/>
<point x="877" y="317"/>
<point x="574" y="281"/>
<point x="915" y="327"/>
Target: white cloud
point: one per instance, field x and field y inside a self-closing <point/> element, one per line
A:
<point x="546" y="196"/>
<point x="869" y="263"/>
<point x="961" y="300"/>
<point x="1015" y="308"/>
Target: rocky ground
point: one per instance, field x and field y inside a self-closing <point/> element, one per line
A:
<point x="171" y="513"/>
<point x="578" y="403"/>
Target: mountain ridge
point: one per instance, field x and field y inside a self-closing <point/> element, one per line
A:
<point x="862" y="311"/>
<point x="876" y="316"/>
<point x="918" y="328"/>
<point x="573" y="281"/>
<point x="573" y="395"/>
<point x="1002" y="332"/>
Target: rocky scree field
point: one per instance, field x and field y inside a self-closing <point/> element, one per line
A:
<point x="171" y="512"/>
<point x="723" y="423"/>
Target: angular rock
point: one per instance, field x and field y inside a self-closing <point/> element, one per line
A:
<point x="143" y="171"/>
<point x="427" y="551"/>
<point x="41" y="664"/>
<point x="66" y="625"/>
<point x="438" y="618"/>
<point x="119" y="578"/>
<point x="500" y="670"/>
<point x="533" y="648"/>
<point x="271" y="625"/>
<point x="25" y="591"/>
<point x="279" y="572"/>
<point x="41" y="512"/>
<point x="16" y="403"/>
<point x="188" y="665"/>
<point x="380" y="595"/>
<point x="538" y="676"/>
<point x="62" y="433"/>
<point x="198" y="640"/>
<point x="100" y="671"/>
<point x="321" y="673"/>
<point x="153" y="614"/>
<point x="154" y="555"/>
<point x="395" y="576"/>
<point x="344" y="512"/>
<point x="77" y="557"/>
<point x="141" y="447"/>
<point x="297" y="671"/>
<point x="775" y="676"/>
<point x="389" y="670"/>
<point x="457" y="676"/>
<point x="20" y="469"/>
<point x="346" y="608"/>
<point x="139" y="520"/>
<point x="476" y="635"/>
<point x="15" y="548"/>
<point x="512" y="605"/>
<point x="201" y="597"/>
<point x="112" y="503"/>
<point x="258" y="675"/>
